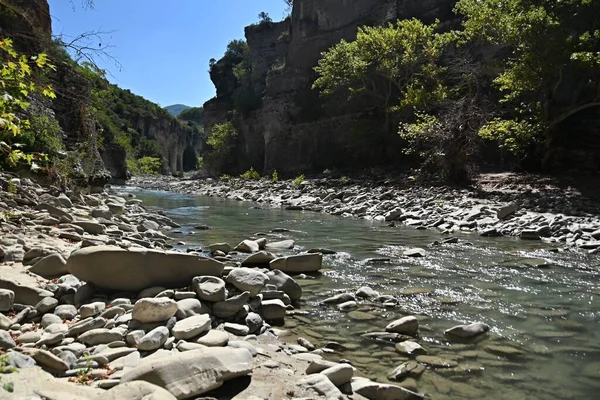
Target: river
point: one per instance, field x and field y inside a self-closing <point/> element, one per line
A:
<point x="542" y="305"/>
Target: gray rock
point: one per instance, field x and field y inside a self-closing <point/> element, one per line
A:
<point x="236" y="329"/>
<point x="406" y="369"/>
<point x="224" y="247"/>
<point x="190" y="327"/>
<point x="366" y="292"/>
<point x="50" y="319"/>
<point x="415" y="252"/>
<point x="19" y="360"/>
<point x="66" y="311"/>
<point x="192" y="373"/>
<point x="154" y="309"/>
<point x="381" y="391"/>
<point x="339" y="374"/>
<point x="405" y="326"/>
<point x="151" y="292"/>
<point x="258" y="259"/>
<point x="136" y="390"/>
<point x="30" y="337"/>
<point x="242" y="344"/>
<point x="68" y="358"/>
<point x="51" y="338"/>
<point x="230" y="307"/>
<point x="321" y="385"/>
<point x="134" y="269"/>
<point x="301" y="263"/>
<point x="254" y="322"/>
<point x="272" y="309"/>
<point x="410" y="348"/>
<point x="45" y="386"/>
<point x="7" y="299"/>
<point x="50" y="266"/>
<point x="468" y="331"/>
<point x="154" y="339"/>
<point x="46" y="304"/>
<point x="86" y="325"/>
<point x="285" y="283"/>
<point x="6" y="341"/>
<point x="50" y="361"/>
<point x="281" y="245"/>
<point x="93" y="228"/>
<point x="92" y="309"/>
<point x="246" y="279"/>
<point x="188" y="307"/>
<point x="213" y="338"/>
<point x="339" y="298"/>
<point x="100" y="336"/>
<point x="83" y="293"/>
<point x="209" y="288"/>
<point x="247" y="246"/>
<point x="5" y="322"/>
<point x="24" y="294"/>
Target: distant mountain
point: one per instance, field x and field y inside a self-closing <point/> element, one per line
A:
<point x="176" y="109"/>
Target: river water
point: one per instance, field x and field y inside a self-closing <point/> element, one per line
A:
<point x="543" y="306"/>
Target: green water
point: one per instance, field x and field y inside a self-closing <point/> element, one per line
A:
<point x="542" y="305"/>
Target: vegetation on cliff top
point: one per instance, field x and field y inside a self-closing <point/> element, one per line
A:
<point x="447" y="94"/>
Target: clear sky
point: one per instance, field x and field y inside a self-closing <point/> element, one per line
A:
<point x="164" y="45"/>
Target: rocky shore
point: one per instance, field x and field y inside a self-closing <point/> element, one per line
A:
<point x="535" y="211"/>
<point x="95" y="306"/>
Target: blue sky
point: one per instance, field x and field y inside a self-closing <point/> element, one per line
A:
<point x="164" y="46"/>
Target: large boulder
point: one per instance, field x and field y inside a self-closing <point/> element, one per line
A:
<point x="134" y="269"/>
<point x="50" y="266"/>
<point x="24" y="294"/>
<point x="298" y="264"/>
<point x="406" y="326"/>
<point x="285" y="283"/>
<point x="247" y="279"/>
<point x="138" y="390"/>
<point x="192" y="373"/>
<point x="33" y="383"/>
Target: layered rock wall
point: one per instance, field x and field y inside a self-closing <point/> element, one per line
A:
<point x="293" y="130"/>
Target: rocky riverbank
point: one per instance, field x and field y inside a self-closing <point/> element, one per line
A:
<point x="532" y="211"/>
<point x="93" y="305"/>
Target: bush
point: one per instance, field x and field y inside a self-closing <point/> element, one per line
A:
<point x="298" y="181"/>
<point x="225" y="178"/>
<point x="275" y="177"/>
<point x="222" y="142"/>
<point x="149" y="165"/>
<point x="251" y="174"/>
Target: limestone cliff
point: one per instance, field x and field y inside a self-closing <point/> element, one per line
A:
<point x="293" y="130"/>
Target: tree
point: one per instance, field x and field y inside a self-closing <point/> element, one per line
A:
<point x="552" y="70"/>
<point x="264" y="19"/>
<point x="289" y="6"/>
<point x="21" y="77"/>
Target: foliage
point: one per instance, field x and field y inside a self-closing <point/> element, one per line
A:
<point x="149" y="165"/>
<point x="264" y="19"/>
<point x="194" y="114"/>
<point x="221" y="141"/>
<point x="251" y="174"/>
<point x="225" y="178"/>
<point x="275" y="177"/>
<point x="21" y="76"/>
<point x="392" y="66"/>
<point x="298" y="181"/>
<point x="552" y="70"/>
<point x="200" y="163"/>
<point x="6" y="369"/>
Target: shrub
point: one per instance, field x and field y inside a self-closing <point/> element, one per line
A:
<point x="225" y="178"/>
<point x="275" y="177"/>
<point x="298" y="181"/>
<point x="149" y="165"/>
<point x="222" y="142"/>
<point x="251" y="174"/>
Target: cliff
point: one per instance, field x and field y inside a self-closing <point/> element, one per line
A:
<point x="294" y="130"/>
<point x="103" y="128"/>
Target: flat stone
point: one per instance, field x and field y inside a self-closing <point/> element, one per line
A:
<point x="301" y="263"/>
<point x="247" y="246"/>
<point x="192" y="373"/>
<point x="281" y="245"/>
<point x="436" y="362"/>
<point x="236" y="329"/>
<point x="209" y="288"/>
<point x="154" y="309"/>
<point x="321" y="385"/>
<point x="247" y="279"/>
<point x="188" y="307"/>
<point x="339" y="374"/>
<point x="381" y="391"/>
<point x="257" y="259"/>
<point x="66" y="311"/>
<point x="154" y="339"/>
<point x="24" y="294"/>
<point x="410" y="348"/>
<point x="134" y="269"/>
<point x="100" y="336"/>
<point x="192" y="326"/>
<point x="230" y="307"/>
<point x="92" y="309"/>
<point x="49" y="360"/>
<point x="7" y="299"/>
<point x="213" y="338"/>
<point x="468" y="331"/>
<point x="46" y="304"/>
<point x="136" y="390"/>
<point x="285" y="283"/>
<point x="272" y="309"/>
<point x="405" y="326"/>
<point x="50" y="266"/>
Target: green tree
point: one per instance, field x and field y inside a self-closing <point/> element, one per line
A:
<point x="221" y="141"/>
<point x="21" y="77"/>
<point x="552" y="70"/>
<point x="264" y="18"/>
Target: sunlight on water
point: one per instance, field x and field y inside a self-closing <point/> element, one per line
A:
<point x="542" y="305"/>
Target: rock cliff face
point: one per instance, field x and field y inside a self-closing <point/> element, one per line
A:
<point x="293" y="130"/>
